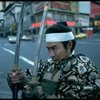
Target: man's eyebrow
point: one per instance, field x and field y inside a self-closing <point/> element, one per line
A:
<point x="51" y="46"/>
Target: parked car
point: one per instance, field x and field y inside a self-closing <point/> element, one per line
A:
<point x="12" y="39"/>
<point x="81" y="36"/>
<point x="26" y="37"/>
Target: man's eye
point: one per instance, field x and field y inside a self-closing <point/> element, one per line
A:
<point x="53" y="48"/>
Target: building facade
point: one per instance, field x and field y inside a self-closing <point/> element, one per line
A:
<point x="11" y="18"/>
<point x="95" y="17"/>
<point x="64" y="11"/>
<point x="58" y="11"/>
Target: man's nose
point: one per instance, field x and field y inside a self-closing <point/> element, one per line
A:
<point x="52" y="54"/>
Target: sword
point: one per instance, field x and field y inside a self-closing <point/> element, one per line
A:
<point x="37" y="54"/>
<point x="16" y="57"/>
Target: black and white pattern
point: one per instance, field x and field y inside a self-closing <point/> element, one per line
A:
<point x="77" y="77"/>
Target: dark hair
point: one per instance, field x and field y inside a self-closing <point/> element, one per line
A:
<point x="58" y="28"/>
<point x="63" y="23"/>
<point x="61" y="27"/>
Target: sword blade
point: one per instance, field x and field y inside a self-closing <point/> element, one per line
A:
<point x="44" y="16"/>
<point x="19" y="32"/>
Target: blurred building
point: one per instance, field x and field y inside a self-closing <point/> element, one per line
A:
<point x="69" y="11"/>
<point x="11" y="18"/>
<point x="95" y="17"/>
<point x="3" y="5"/>
<point x="64" y="11"/>
<point x="1" y="19"/>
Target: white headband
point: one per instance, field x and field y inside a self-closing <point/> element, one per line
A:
<point x="54" y="37"/>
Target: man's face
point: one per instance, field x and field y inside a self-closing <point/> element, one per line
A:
<point x="57" y="51"/>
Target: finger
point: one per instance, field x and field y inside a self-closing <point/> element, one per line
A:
<point x="27" y="90"/>
<point x="27" y="87"/>
<point x="15" y="80"/>
<point x="39" y="89"/>
<point x="15" y="74"/>
<point x="12" y="72"/>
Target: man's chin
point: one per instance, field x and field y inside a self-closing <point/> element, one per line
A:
<point x="55" y="60"/>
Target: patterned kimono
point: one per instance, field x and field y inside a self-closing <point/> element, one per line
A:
<point x="74" y="77"/>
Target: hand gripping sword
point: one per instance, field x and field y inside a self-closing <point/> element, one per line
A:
<point x="16" y="58"/>
<point x="37" y="54"/>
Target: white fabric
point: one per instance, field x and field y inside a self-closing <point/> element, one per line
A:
<point x="59" y="37"/>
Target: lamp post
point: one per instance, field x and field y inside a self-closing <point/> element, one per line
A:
<point x="77" y="16"/>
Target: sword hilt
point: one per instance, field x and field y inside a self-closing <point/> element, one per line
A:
<point x="15" y="91"/>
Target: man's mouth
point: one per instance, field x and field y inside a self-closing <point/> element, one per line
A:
<point x="55" y="60"/>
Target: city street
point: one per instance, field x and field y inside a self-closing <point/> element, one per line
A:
<point x="89" y="46"/>
<point x="28" y="19"/>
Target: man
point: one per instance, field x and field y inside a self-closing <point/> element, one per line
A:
<point x="64" y="76"/>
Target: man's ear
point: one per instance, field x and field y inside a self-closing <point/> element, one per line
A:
<point x="70" y="44"/>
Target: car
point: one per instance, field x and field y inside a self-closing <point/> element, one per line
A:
<point x="12" y="39"/>
<point x="81" y="36"/>
<point x="26" y="37"/>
